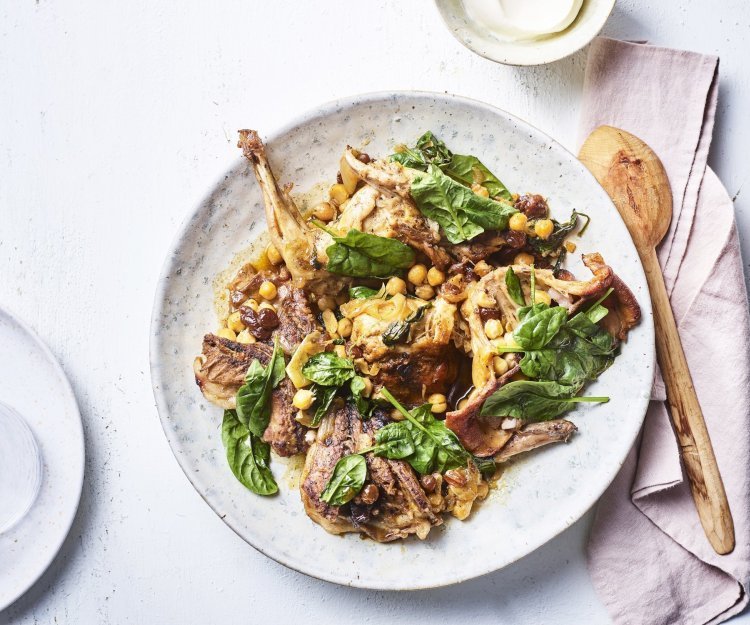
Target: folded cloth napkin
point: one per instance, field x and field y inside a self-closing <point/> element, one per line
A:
<point x="647" y="554"/>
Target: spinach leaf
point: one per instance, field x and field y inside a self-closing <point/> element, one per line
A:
<point x="363" y="292"/>
<point x="461" y="213"/>
<point x="465" y="169"/>
<point x="486" y="466"/>
<point x="429" y="149"/>
<point x="322" y="400"/>
<point x="513" y="284"/>
<point x="539" y="328"/>
<point x="436" y="448"/>
<point x="346" y="481"/>
<point x="560" y="231"/>
<point x="364" y="405"/>
<point x="248" y="456"/>
<point x="534" y="400"/>
<point x="398" y="331"/>
<point x="328" y="369"/>
<point x="470" y="170"/>
<point x="365" y="255"/>
<point x="394" y="441"/>
<point x="253" y="397"/>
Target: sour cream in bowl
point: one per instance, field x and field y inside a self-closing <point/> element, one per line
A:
<point x="525" y="32"/>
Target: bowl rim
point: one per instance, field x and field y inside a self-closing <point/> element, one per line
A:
<point x="321" y="111"/>
<point x="515" y="61"/>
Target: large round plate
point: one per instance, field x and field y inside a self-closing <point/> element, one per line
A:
<point x="27" y="549"/>
<point x="539" y="496"/>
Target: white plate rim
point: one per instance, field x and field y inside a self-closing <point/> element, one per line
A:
<point x="163" y="281"/>
<point x="70" y="398"/>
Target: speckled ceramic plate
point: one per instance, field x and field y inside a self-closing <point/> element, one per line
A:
<point x="538" y="496"/>
<point x="28" y="548"/>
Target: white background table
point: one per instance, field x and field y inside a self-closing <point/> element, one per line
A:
<point x="115" y="117"/>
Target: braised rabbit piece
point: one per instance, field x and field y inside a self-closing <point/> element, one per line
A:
<point x="409" y="333"/>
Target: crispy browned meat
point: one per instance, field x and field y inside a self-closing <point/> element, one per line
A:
<point x="220" y="371"/>
<point x="488" y="243"/>
<point x="533" y="206"/>
<point x="400" y="506"/>
<point x="625" y="312"/>
<point x="412" y="376"/>
<point x="536" y="435"/>
<point x="296" y="319"/>
<point x="482" y="437"/>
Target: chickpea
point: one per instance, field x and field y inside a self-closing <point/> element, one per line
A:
<point x="439" y="403"/>
<point x="330" y="322"/>
<point x="338" y="194"/>
<point x="485" y="300"/>
<point x="462" y="404"/>
<point x="396" y="415"/>
<point x="267" y="290"/>
<point x="499" y="365"/>
<point x="303" y="399"/>
<point x="394" y="286"/>
<point x="344" y="328"/>
<point x="524" y="258"/>
<point x="340" y="351"/>
<point x="542" y="297"/>
<point x="251" y="303"/>
<point x="517" y="222"/>
<point x="245" y="337"/>
<point x="493" y="328"/>
<point x="324" y="211"/>
<point x="226" y="333"/>
<point x="543" y="228"/>
<point x="482" y="268"/>
<point x="273" y="254"/>
<point x="435" y="277"/>
<point x="417" y="274"/>
<point x="424" y="292"/>
<point x="326" y="303"/>
<point x="234" y="322"/>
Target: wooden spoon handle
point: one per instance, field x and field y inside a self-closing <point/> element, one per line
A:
<point x="687" y="417"/>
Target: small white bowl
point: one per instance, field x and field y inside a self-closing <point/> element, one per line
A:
<point x="588" y="23"/>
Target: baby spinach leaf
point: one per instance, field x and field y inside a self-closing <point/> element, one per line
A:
<point x="328" y="369"/>
<point x="394" y="441"/>
<point x="363" y="404"/>
<point x="248" y="456"/>
<point x="539" y="328"/>
<point x="465" y="169"/>
<point x="429" y="149"/>
<point x="436" y="448"/>
<point x="560" y="232"/>
<point x="532" y="400"/>
<point x="346" y="481"/>
<point x="461" y="213"/>
<point x="398" y="331"/>
<point x="364" y="255"/>
<point x="486" y="466"/>
<point x="253" y="397"/>
<point x="513" y="284"/>
<point x="362" y="292"/>
<point x="322" y="400"/>
<point x="470" y="170"/>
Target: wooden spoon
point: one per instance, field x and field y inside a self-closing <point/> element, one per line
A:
<point x="635" y="179"/>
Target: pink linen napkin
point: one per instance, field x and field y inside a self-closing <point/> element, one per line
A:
<point x="647" y="554"/>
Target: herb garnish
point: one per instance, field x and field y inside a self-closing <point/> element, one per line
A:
<point x="364" y="255"/>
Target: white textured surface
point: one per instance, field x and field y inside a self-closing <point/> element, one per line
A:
<point x="115" y="118"/>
